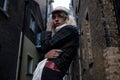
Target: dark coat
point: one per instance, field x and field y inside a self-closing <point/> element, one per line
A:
<point x="66" y="39"/>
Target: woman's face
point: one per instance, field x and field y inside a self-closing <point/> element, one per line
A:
<point x="58" y="19"/>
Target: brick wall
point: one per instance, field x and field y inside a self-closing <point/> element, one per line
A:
<point x="103" y="34"/>
<point x="112" y="63"/>
<point x="10" y="27"/>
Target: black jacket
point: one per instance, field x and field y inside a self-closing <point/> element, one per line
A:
<point x="66" y="39"/>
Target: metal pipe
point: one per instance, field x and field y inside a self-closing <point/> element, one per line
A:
<point x="46" y="12"/>
<point x="21" y="43"/>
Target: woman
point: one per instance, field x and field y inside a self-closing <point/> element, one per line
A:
<point x="59" y="44"/>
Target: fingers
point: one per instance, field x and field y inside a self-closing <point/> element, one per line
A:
<point x="58" y="51"/>
<point x="49" y="25"/>
<point x="53" y="53"/>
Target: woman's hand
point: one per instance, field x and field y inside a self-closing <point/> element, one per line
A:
<point x="54" y="53"/>
<point x="49" y="26"/>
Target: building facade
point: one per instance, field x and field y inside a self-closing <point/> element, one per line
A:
<point x="31" y="40"/>
<point x="99" y="38"/>
<point x="10" y="28"/>
<point x="20" y="25"/>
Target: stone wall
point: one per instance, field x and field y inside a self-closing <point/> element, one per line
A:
<point x="99" y="36"/>
<point x="112" y="63"/>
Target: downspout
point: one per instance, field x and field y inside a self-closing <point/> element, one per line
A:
<point x="46" y="12"/>
<point x="21" y="43"/>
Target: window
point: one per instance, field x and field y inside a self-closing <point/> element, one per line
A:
<point x="32" y="23"/>
<point x="38" y="38"/>
<point x="29" y="65"/>
<point x="3" y="4"/>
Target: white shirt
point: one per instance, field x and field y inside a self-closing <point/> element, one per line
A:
<point x="58" y="28"/>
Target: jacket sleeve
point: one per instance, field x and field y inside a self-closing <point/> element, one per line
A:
<point x="66" y="57"/>
<point x="67" y="36"/>
<point x="57" y="40"/>
<point x="69" y="52"/>
<point x="45" y="37"/>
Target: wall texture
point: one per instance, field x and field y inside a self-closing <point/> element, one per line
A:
<point x="99" y="40"/>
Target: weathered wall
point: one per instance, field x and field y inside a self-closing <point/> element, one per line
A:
<point x="99" y="36"/>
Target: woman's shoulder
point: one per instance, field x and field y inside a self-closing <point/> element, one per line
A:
<point x="72" y="28"/>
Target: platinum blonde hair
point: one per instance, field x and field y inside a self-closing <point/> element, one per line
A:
<point x="71" y="20"/>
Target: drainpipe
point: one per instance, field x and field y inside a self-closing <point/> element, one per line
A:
<point x="46" y="12"/>
<point x="21" y="43"/>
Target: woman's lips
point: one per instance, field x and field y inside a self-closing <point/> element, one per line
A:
<point x="57" y="24"/>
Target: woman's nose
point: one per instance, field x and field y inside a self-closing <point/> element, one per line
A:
<point x="56" y="19"/>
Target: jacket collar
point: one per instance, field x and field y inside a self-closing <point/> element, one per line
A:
<point x="59" y="27"/>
